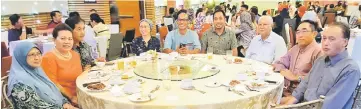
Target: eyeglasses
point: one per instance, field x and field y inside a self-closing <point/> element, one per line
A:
<point x="182" y="20"/>
<point x="33" y="55"/>
<point x="302" y="31"/>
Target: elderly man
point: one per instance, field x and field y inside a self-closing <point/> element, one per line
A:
<point x="298" y="61"/>
<point x="334" y="75"/>
<point x="182" y="40"/>
<point x="55" y="19"/>
<point x="219" y="38"/>
<point x="268" y="46"/>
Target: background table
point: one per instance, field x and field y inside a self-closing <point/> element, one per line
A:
<point x="43" y="43"/>
<point x="177" y="98"/>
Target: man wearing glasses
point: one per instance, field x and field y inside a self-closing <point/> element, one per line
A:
<point x="268" y="46"/>
<point x="334" y="75"/>
<point x="298" y="61"/>
<point x="182" y="40"/>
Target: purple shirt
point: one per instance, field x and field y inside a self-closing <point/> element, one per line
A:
<point x="299" y="61"/>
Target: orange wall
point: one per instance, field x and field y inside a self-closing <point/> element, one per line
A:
<point x="127" y="7"/>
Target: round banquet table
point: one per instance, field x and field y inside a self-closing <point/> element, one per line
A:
<point x="177" y="98"/>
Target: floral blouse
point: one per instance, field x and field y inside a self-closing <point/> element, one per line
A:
<point x="139" y="45"/>
<point x="85" y="53"/>
<point x="25" y="97"/>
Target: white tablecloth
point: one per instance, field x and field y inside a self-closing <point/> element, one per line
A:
<point x="46" y="45"/>
<point x="177" y="98"/>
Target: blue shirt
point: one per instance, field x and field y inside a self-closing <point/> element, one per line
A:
<point x="334" y="77"/>
<point x="174" y="39"/>
<point x="267" y="50"/>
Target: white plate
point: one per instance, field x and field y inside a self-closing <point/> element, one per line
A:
<point x="213" y="84"/>
<point x="107" y="87"/>
<point x="137" y="97"/>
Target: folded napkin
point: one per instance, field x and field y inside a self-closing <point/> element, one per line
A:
<point x="131" y="87"/>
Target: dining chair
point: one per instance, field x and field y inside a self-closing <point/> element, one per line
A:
<point x="205" y="27"/>
<point x="4" y="50"/>
<point x="357" y="97"/>
<point x="127" y="41"/>
<point x="170" y="27"/>
<point x="115" y="47"/>
<point x="314" y="104"/>
<point x="331" y="17"/>
<point x="163" y="31"/>
<point x="5" y="102"/>
<point x="5" y="65"/>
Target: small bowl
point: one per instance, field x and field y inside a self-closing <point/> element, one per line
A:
<point x="100" y="64"/>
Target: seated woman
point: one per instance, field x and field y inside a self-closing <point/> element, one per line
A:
<point x="246" y="33"/>
<point x="146" y="42"/>
<point x="62" y="65"/>
<point x="29" y="87"/>
<point x="85" y="51"/>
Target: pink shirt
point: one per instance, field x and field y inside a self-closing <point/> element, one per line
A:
<point x="299" y="61"/>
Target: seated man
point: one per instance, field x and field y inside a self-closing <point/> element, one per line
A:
<point x="55" y="19"/>
<point x="298" y="61"/>
<point x="334" y="75"/>
<point x="182" y="40"/>
<point x="18" y="31"/>
<point x="219" y="38"/>
<point x="268" y="46"/>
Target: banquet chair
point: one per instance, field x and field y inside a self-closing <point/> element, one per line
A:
<point x="127" y="41"/>
<point x="315" y="104"/>
<point x="287" y="38"/>
<point x="331" y="17"/>
<point x="205" y="27"/>
<point x="115" y="46"/>
<point x="5" y="101"/>
<point x="163" y="31"/>
<point x="5" y="65"/>
<point x="4" y="50"/>
<point x="357" y="97"/>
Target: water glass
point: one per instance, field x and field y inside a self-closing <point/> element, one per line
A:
<point x="229" y="56"/>
<point x="166" y="80"/>
<point x="210" y="53"/>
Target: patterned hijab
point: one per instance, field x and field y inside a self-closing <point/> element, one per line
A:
<point x="22" y="72"/>
<point x="246" y="21"/>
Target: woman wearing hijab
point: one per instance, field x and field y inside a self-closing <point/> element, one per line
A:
<point x="146" y="42"/>
<point x="29" y="87"/>
<point x="245" y="31"/>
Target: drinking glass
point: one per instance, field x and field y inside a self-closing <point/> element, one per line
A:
<point x="210" y="53"/>
<point x="229" y="56"/>
<point x="166" y="79"/>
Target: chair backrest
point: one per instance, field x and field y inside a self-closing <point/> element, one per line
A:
<point x="324" y="22"/>
<point x="205" y="27"/>
<point x="292" y="38"/>
<point x="5" y="65"/>
<point x="5" y="102"/>
<point x="315" y="104"/>
<point x="4" y="37"/>
<point x="129" y="35"/>
<point x="115" y="46"/>
<point x="331" y="17"/>
<point x="4" y="50"/>
<point x="163" y="31"/>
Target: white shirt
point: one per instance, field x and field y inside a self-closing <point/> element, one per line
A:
<point x="267" y="50"/>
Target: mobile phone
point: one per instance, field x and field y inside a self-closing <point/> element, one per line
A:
<point x="182" y="45"/>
